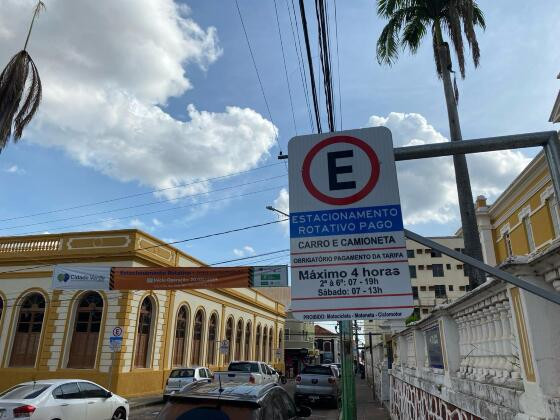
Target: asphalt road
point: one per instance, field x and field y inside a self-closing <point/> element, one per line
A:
<point x="319" y="413"/>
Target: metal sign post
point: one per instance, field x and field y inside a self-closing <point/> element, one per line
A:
<point x="115" y="344"/>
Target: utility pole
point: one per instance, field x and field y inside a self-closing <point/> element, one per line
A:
<point x="371" y="358"/>
<point x="348" y="384"/>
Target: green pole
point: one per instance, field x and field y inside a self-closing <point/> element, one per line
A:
<point x="348" y="383"/>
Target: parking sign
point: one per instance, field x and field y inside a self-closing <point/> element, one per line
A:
<point x="348" y="250"/>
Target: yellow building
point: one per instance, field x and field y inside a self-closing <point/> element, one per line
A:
<point x="524" y="220"/>
<point x="65" y="334"/>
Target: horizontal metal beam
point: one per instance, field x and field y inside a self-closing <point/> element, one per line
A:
<point x="517" y="141"/>
<point x="493" y="271"/>
<point x="463" y="147"/>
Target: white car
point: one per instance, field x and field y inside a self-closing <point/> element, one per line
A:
<point x="61" y="399"/>
<point x="252" y="372"/>
<point x="275" y="375"/>
<point x="180" y="377"/>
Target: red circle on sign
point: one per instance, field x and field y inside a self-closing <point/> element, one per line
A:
<point x="339" y="201"/>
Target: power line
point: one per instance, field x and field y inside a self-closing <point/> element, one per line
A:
<point x="310" y="64"/>
<point x="338" y="65"/>
<point x="114" y="219"/>
<point x="258" y="74"/>
<point x="250" y="257"/>
<point x="301" y="65"/>
<point x="285" y="67"/>
<point x="139" y="194"/>
<point x="324" y="48"/>
<point x="144" y="204"/>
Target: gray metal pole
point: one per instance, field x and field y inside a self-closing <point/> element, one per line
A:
<point x="552" y="152"/>
<point x="372" y="374"/>
<point x="490" y="144"/>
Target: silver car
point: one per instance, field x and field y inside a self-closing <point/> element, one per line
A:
<point x="180" y="377"/>
<point x="317" y="384"/>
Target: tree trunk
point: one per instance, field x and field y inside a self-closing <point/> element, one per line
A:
<point x="464" y="192"/>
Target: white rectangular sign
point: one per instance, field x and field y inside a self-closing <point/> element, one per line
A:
<point x="270" y="276"/>
<point x="348" y="250"/>
<point x="87" y="277"/>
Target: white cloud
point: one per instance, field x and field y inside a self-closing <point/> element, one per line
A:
<point x="137" y="223"/>
<point x="427" y="186"/>
<point x="244" y="251"/>
<point x="14" y="169"/>
<point x="156" y="222"/>
<point x="282" y="203"/>
<point x="106" y="84"/>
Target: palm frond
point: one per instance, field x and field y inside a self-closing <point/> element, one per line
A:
<point x="452" y="23"/>
<point x="435" y="47"/>
<point x="19" y="80"/>
<point x="413" y="33"/>
<point x="472" y="15"/>
<point x="387" y="44"/>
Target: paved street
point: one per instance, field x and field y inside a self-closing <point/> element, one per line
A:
<point x="367" y="409"/>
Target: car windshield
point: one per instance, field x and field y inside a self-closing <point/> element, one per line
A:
<point x="243" y="367"/>
<point x="182" y="373"/>
<point x="316" y="370"/>
<point x="24" y="392"/>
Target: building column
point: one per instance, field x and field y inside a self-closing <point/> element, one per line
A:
<point x="535" y="321"/>
<point x="485" y="231"/>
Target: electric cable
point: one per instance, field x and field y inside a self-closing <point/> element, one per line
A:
<point x="139" y="194"/>
<point x="285" y="67"/>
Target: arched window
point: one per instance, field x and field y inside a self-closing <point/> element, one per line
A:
<point x="270" y="344"/>
<point x="181" y="326"/>
<point x="85" y="337"/>
<point x="248" y="330"/>
<point x="258" y="344"/>
<point x="28" y="331"/>
<point x="238" y="339"/>
<point x="143" y="333"/>
<point x="196" y="355"/>
<point x="229" y="336"/>
<point x="265" y="345"/>
<point x="212" y="343"/>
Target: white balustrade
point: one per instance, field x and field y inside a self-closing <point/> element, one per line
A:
<point x="486" y="341"/>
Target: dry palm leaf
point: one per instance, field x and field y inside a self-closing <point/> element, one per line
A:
<point x="20" y="91"/>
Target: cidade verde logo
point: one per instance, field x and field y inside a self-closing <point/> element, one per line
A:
<point x="63" y="277"/>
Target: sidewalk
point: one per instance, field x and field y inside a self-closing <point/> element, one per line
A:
<point x="367" y="408"/>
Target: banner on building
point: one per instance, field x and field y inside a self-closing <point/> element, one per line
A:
<point x="88" y="277"/>
<point x="169" y="278"/>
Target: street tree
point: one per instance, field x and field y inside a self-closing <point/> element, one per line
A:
<point x="409" y="23"/>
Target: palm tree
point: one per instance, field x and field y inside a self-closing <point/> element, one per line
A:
<point x="20" y="90"/>
<point x="409" y="21"/>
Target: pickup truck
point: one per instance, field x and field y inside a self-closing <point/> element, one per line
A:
<point x="317" y="383"/>
<point x="247" y="371"/>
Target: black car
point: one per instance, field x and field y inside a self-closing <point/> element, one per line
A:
<point x="232" y="401"/>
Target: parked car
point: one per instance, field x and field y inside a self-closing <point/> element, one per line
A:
<point x="337" y="371"/>
<point x="274" y="373"/>
<point x="317" y="384"/>
<point x="180" y="377"/>
<point x="232" y="401"/>
<point x="61" y="399"/>
<point x="248" y="371"/>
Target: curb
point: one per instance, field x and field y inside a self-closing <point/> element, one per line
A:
<point x="143" y="404"/>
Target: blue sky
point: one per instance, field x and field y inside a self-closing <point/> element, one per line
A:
<point x="141" y="103"/>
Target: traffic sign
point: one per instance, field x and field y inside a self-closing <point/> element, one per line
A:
<point x="348" y="250"/>
<point x="270" y="276"/>
<point x="117" y="331"/>
<point x="224" y="347"/>
<point x="115" y="343"/>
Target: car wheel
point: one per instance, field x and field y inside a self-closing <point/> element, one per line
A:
<point x="120" y="414"/>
